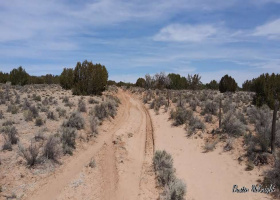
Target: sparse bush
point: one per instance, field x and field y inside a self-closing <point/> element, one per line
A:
<point x="100" y="111"/>
<point x="193" y="104"/>
<point x="105" y="109"/>
<point x="208" y="118"/>
<point x="241" y="118"/>
<point x="7" y="144"/>
<point x="68" y="138"/>
<point x="52" y="148"/>
<point x="210" y="146"/>
<point x="210" y="108"/>
<point x="10" y="134"/>
<point x="111" y="107"/>
<point x="45" y="102"/>
<point x="273" y="176"/>
<point x="8" y="123"/>
<point x="17" y="99"/>
<point x="75" y="121"/>
<point x="163" y="164"/>
<point x="181" y="115"/>
<point x="39" y="121"/>
<point x="92" y="101"/>
<point x="30" y="154"/>
<point x="173" y="187"/>
<point x="65" y="99"/>
<point x="1" y="114"/>
<point x="94" y="122"/>
<point x="69" y="104"/>
<point x="26" y="104"/>
<point x="92" y="163"/>
<point x="61" y="112"/>
<point x="40" y="135"/>
<point x="12" y="109"/>
<point x="194" y="124"/>
<point x="36" y="97"/>
<point x="51" y="115"/>
<point x="82" y="106"/>
<point x="28" y="115"/>
<point x="232" y="125"/>
<point x="229" y="144"/>
<point x="176" y="190"/>
<point x="44" y="109"/>
<point x="228" y="105"/>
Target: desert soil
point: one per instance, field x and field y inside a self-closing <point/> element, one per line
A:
<point x="123" y="153"/>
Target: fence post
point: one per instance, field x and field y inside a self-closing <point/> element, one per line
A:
<point x="273" y="130"/>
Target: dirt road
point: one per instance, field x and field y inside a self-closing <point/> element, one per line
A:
<point x="123" y="154"/>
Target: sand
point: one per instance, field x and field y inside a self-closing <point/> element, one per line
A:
<point x="207" y="175"/>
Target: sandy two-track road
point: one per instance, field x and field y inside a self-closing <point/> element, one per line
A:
<point x="123" y="153"/>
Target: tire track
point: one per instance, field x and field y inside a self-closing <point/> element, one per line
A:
<point x="148" y="178"/>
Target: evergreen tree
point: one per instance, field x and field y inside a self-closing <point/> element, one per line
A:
<point x="213" y="85"/>
<point x="194" y="82"/>
<point x="66" y="78"/>
<point x="267" y="88"/>
<point x="19" y="76"/>
<point x="227" y="84"/>
<point x="89" y="78"/>
<point x="141" y="82"/>
<point x="4" y="77"/>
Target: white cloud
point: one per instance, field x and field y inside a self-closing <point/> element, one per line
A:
<point x="270" y="29"/>
<point x="185" y="33"/>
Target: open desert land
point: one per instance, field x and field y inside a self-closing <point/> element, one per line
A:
<point x="81" y="151"/>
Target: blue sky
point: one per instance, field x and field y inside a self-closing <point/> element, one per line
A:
<point x="132" y="38"/>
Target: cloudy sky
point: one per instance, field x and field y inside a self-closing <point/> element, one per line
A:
<point x="135" y="37"/>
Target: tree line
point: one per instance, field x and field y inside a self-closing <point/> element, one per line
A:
<point x="266" y="88"/>
<point x="191" y="82"/>
<point x="85" y="79"/>
<point x="19" y="76"/>
<point x="88" y="78"/>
